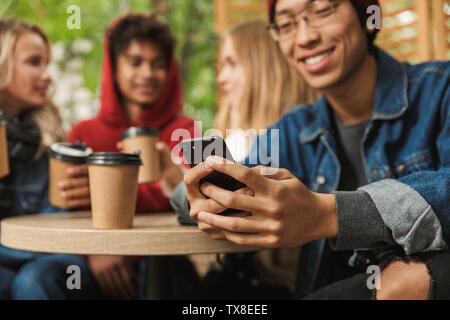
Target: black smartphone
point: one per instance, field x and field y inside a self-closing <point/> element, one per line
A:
<point x="196" y="151"/>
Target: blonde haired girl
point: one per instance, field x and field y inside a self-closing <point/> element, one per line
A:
<point x="33" y="124"/>
<point x="256" y="84"/>
<point x="24" y="79"/>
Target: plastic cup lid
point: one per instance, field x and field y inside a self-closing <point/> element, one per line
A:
<point x="115" y="158"/>
<point x="139" y="131"/>
<point x="75" y="152"/>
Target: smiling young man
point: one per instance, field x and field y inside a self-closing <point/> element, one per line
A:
<point x="366" y="167"/>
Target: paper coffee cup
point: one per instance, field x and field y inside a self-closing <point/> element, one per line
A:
<point x="63" y="156"/>
<point x="144" y="140"/>
<point x="4" y="162"/>
<point x="113" y="181"/>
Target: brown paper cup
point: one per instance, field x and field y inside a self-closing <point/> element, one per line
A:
<point x="4" y="162"/>
<point x="62" y="156"/>
<point x="58" y="172"/>
<point x="113" y="195"/>
<point x="150" y="170"/>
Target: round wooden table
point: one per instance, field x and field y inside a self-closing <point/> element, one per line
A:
<point x="72" y="233"/>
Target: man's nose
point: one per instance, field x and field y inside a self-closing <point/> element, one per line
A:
<point x="306" y="35"/>
<point x="146" y="70"/>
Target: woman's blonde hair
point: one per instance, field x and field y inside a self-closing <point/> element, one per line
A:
<point x="47" y="118"/>
<point x="272" y="85"/>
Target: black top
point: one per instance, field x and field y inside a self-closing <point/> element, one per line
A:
<point x="114" y="158"/>
<point x="139" y="131"/>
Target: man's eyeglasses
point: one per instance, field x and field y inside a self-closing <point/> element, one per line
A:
<point x="316" y="14"/>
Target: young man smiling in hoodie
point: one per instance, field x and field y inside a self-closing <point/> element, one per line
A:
<point x="366" y="167"/>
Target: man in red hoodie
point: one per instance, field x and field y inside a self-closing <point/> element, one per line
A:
<point x="141" y="86"/>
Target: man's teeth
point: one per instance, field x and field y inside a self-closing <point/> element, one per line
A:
<point x="319" y="58"/>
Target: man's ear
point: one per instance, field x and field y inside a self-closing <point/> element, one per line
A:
<point x="370" y="31"/>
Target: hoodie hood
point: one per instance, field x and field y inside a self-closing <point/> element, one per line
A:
<point x="166" y="108"/>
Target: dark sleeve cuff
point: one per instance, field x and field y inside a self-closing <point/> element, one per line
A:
<point x="360" y="224"/>
<point x="181" y="206"/>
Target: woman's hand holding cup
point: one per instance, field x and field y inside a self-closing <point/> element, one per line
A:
<point x="171" y="173"/>
<point x="75" y="189"/>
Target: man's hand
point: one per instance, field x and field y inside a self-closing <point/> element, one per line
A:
<point x="115" y="276"/>
<point x="75" y="189"/>
<point x="199" y="201"/>
<point x="171" y="172"/>
<point x="284" y="213"/>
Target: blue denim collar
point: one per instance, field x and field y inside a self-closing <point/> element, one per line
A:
<point x="391" y="98"/>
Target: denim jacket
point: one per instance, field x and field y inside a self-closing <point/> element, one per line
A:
<point x="406" y="154"/>
<point x="28" y="189"/>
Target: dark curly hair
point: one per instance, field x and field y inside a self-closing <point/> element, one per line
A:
<point x="362" y="20"/>
<point x="142" y="28"/>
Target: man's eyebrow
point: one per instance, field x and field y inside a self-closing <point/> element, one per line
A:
<point x="136" y="56"/>
<point x="287" y="11"/>
<point x="132" y="56"/>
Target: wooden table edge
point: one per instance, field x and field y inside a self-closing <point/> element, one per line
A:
<point x="182" y="240"/>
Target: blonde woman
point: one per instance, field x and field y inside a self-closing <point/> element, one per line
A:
<point x="33" y="124"/>
<point x="256" y="86"/>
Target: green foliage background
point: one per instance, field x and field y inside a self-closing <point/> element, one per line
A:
<point x="191" y="21"/>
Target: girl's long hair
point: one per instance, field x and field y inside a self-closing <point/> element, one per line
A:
<point x="47" y="118"/>
<point x="272" y="85"/>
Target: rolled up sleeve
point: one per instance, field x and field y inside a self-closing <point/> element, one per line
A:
<point x="411" y="219"/>
<point x="359" y="223"/>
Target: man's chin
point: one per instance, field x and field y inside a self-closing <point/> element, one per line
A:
<point x="145" y="103"/>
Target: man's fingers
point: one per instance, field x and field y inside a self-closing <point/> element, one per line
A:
<point x="126" y="282"/>
<point x="273" y="173"/>
<point x="73" y="183"/>
<point x="102" y="283"/>
<point x="108" y="286"/>
<point x="85" y="202"/>
<point x="214" y="233"/>
<point x="192" y="179"/>
<point x="234" y="224"/>
<point x="119" y="286"/>
<point x="164" y="152"/>
<point x="230" y="199"/>
<point x="80" y="170"/>
<point x="253" y="240"/>
<point x="206" y="227"/>
<point x="76" y="193"/>
<point x="130" y="271"/>
<point x="240" y="172"/>
<point x="208" y="205"/>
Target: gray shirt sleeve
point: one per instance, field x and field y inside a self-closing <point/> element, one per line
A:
<point x="408" y="215"/>
<point x="359" y="222"/>
<point x="180" y="204"/>
<point x="398" y="216"/>
<point x="384" y="211"/>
